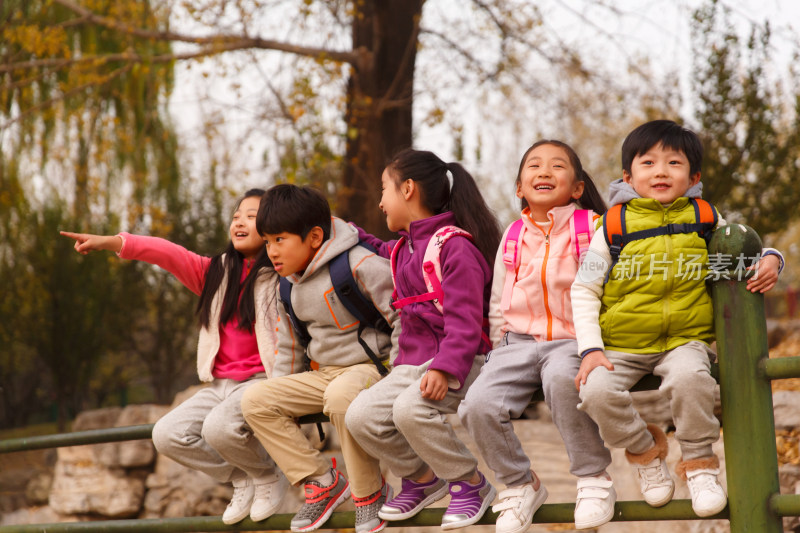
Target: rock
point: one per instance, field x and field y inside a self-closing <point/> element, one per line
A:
<point x="87" y="487"/>
<point x="787" y="415"/>
<point x="34" y="515"/>
<point x="135" y="453"/>
<point x="37" y="491"/>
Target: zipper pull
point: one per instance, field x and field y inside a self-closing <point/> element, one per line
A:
<point x="410" y="247"/>
<point x="547" y="239"/>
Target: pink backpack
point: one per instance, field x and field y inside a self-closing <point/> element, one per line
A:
<point x="431" y="267"/>
<point x="582" y="231"/>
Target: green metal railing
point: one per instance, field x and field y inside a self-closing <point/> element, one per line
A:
<point x="744" y="373"/>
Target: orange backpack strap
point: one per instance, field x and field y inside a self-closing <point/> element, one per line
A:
<point x="614" y="233"/>
<point x="707" y="216"/>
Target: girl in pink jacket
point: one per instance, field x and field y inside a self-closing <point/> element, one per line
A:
<point x="236" y="349"/>
<point x="530" y="319"/>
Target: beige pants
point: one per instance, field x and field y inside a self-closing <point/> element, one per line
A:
<point x="270" y="408"/>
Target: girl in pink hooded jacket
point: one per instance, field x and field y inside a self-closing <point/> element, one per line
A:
<point x="530" y="318"/>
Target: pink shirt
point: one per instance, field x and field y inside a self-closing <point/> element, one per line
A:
<point x="238" y="356"/>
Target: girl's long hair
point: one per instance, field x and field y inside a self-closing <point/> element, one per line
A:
<point x="463" y="198"/>
<point x="231" y="262"/>
<point x="590" y="199"/>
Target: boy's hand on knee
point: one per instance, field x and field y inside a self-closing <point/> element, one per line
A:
<point x="766" y="276"/>
<point x="591" y="361"/>
<point x="434" y="385"/>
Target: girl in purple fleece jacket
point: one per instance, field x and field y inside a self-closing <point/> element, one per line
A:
<point x="401" y="419"/>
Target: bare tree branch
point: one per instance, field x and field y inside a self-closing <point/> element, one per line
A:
<point x="220" y="43"/>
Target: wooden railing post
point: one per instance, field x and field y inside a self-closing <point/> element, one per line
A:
<point x="747" y="417"/>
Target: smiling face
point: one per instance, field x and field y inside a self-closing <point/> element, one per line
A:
<point x="244" y="235"/>
<point x="393" y="203"/>
<point x="662" y="174"/>
<point x="547" y="180"/>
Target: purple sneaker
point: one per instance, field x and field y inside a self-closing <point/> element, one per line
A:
<point x="467" y="503"/>
<point x="413" y="498"/>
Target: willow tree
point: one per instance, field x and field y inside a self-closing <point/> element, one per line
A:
<point x="85" y="144"/>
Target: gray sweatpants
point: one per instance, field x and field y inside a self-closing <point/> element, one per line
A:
<point x="208" y="433"/>
<point x="515" y="370"/>
<point x="393" y="422"/>
<point x="686" y="380"/>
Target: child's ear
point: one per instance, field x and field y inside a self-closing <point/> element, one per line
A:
<point x="408" y="188"/>
<point x="577" y="192"/>
<point x="694" y="179"/>
<point x="519" y="190"/>
<point x="315" y="237"/>
<point x="626" y="176"/>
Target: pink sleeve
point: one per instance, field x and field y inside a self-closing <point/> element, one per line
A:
<point x="189" y="267"/>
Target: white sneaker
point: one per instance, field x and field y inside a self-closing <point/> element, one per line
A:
<point x="655" y="482"/>
<point x="594" y="505"/>
<point x="269" y="491"/>
<point x="239" y="507"/>
<point x="517" y="507"/>
<point x="708" y="496"/>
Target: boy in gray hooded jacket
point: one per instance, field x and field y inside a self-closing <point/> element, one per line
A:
<point x="329" y="371"/>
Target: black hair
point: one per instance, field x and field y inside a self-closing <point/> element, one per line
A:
<point x="590" y="199"/>
<point x="230" y="263"/>
<point x="293" y="209"/>
<point x="464" y="199"/>
<point x="667" y="133"/>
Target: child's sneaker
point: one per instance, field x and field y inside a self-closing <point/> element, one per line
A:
<point x="269" y="492"/>
<point x="594" y="505"/>
<point x="367" y="519"/>
<point x="239" y="506"/>
<point x="655" y="482"/>
<point x="651" y="469"/>
<point x="413" y="498"/>
<point x="320" y="502"/>
<point x="467" y="503"/>
<point x="518" y="505"/>
<point x="708" y="496"/>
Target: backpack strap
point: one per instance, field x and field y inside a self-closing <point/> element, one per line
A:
<point x="431" y="268"/>
<point x="357" y="304"/>
<point x="582" y="230"/>
<point x="616" y="235"/>
<point x="353" y="300"/>
<point x="285" y="289"/>
<point x="511" y="260"/>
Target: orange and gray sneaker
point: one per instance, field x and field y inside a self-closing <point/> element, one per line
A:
<point x="320" y="502"/>
<point x="367" y="519"/>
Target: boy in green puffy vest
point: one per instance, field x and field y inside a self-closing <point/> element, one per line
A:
<point x="648" y="310"/>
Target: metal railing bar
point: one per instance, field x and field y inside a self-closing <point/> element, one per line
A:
<point x="547" y="514"/>
<point x="781" y="367"/>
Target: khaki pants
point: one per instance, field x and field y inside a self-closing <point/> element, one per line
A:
<point x="270" y="408"/>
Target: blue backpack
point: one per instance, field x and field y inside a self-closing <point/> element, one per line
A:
<point x="351" y="297"/>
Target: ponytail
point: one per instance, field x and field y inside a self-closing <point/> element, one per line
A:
<point x="591" y="198"/>
<point x="230" y="263"/>
<point x="449" y="187"/>
<point x="472" y="213"/>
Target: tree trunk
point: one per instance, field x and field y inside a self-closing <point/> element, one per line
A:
<point x="379" y="101"/>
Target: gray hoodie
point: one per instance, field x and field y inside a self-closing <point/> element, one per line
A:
<point x="620" y="192"/>
<point x="333" y="330"/>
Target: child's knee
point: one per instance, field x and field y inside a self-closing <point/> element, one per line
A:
<point x="162" y="437"/>
<point x="256" y="399"/>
